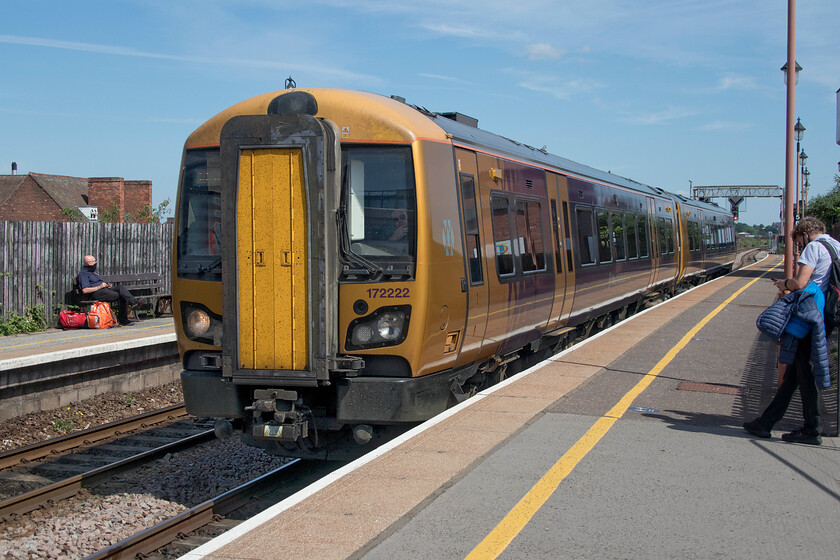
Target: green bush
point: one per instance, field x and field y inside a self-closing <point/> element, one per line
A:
<point x="32" y="321"/>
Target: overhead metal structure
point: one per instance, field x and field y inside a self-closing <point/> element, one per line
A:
<point x="763" y="191"/>
<point x="735" y="193"/>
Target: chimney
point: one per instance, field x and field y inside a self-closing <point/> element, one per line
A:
<point x="107" y="193"/>
<point x="14" y="168"/>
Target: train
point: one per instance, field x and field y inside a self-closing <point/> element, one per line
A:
<point x="347" y="265"/>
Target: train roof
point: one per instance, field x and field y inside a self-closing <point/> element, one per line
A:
<point x="410" y="122"/>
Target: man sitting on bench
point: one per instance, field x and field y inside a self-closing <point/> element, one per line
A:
<point x="92" y="285"/>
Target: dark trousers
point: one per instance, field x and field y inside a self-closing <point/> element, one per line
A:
<point x="798" y="374"/>
<point x="113" y="294"/>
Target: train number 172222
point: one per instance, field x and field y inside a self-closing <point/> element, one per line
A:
<point x="387" y="293"/>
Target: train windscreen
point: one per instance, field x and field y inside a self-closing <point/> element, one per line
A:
<point x="380" y="203"/>
<point x="200" y="217"/>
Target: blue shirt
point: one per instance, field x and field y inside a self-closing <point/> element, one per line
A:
<point x="88" y="279"/>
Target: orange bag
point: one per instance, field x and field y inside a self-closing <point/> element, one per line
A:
<point x="101" y="316"/>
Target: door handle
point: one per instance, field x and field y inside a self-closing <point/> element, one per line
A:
<point x="464" y="285"/>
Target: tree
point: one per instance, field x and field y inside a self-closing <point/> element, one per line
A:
<point x="826" y="207"/>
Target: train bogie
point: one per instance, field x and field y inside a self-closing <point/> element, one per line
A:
<point x="347" y="265"/>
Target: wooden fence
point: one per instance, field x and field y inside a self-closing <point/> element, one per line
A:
<point x="38" y="260"/>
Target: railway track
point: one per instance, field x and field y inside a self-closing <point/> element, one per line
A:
<point x="91" y="436"/>
<point x="67" y="475"/>
<point x="172" y="537"/>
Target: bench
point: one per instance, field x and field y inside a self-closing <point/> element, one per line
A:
<point x="149" y="286"/>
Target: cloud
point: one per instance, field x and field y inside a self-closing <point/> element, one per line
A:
<point x="444" y="78"/>
<point x="665" y="116"/>
<point x="543" y="51"/>
<point x="733" y="81"/>
<point x="455" y="30"/>
<point x="556" y="88"/>
<point x="717" y="126"/>
<point x="115" y="50"/>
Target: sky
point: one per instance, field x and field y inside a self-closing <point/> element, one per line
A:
<point x="666" y="92"/>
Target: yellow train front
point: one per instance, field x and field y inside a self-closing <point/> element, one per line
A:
<point x="347" y="264"/>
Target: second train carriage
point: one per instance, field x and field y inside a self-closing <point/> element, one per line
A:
<point x="346" y="262"/>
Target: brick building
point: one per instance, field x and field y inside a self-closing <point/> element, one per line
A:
<point x="45" y="198"/>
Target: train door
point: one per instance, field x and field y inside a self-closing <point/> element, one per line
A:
<point x="272" y="271"/>
<point x="474" y="282"/>
<point x="653" y="240"/>
<point x="558" y="194"/>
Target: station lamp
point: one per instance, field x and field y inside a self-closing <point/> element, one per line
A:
<point x="798" y="130"/>
<point x="803" y="157"/>
<point x="796" y="73"/>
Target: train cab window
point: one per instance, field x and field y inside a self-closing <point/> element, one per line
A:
<point x="530" y="236"/>
<point x="586" y="236"/>
<point x="380" y="202"/>
<point x="570" y="267"/>
<point x="644" y="247"/>
<point x="630" y="223"/>
<point x="471" y="229"/>
<point x="618" y="236"/>
<point x="604" y="237"/>
<point x="500" y="211"/>
<point x="199" y="223"/>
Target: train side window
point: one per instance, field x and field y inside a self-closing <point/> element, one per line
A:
<point x="669" y="234"/>
<point x="630" y="222"/>
<point x="569" y="260"/>
<point x="586" y="236"/>
<point x="644" y="247"/>
<point x="604" y="237"/>
<point x="500" y="209"/>
<point x="471" y="229"/>
<point x="530" y="237"/>
<point x="618" y="236"/>
<point x="558" y="247"/>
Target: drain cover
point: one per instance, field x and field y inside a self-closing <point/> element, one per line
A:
<point x="709" y="388"/>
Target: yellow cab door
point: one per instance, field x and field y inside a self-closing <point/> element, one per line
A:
<point x="474" y="282"/>
<point x="271" y="271"/>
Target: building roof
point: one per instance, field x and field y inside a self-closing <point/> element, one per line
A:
<point x="8" y="185"/>
<point x="68" y="192"/>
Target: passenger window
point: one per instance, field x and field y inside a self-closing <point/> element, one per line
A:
<point x="604" y="237"/>
<point x="630" y="222"/>
<point x="644" y="247"/>
<point x="586" y="236"/>
<point x="569" y="265"/>
<point x="618" y="235"/>
<point x="500" y="208"/>
<point x="471" y="229"/>
<point x="530" y="241"/>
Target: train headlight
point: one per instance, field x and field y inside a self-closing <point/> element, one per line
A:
<point x="200" y="324"/>
<point x="387" y="326"/>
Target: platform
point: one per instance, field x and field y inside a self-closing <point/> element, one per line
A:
<point x="45" y="370"/>
<point x="626" y="446"/>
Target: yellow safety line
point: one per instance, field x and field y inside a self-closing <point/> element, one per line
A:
<point x="504" y="533"/>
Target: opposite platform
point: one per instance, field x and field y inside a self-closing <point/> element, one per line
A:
<point x="626" y="446"/>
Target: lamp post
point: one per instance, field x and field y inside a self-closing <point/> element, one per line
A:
<point x="805" y="185"/>
<point x="800" y="178"/>
<point x="790" y="155"/>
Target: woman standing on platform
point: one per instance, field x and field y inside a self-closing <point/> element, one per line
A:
<point x="814" y="264"/>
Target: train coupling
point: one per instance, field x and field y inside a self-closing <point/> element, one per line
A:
<point x="277" y="415"/>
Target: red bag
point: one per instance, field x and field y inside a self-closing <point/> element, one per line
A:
<point x="72" y="319"/>
<point x="101" y="316"/>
